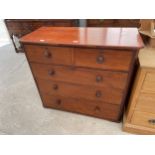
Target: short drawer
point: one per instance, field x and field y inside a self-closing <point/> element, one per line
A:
<point x="143" y="119"/>
<point x="149" y="82"/>
<point x="103" y="59"/>
<point x="146" y="102"/>
<point x="82" y="106"/>
<point x="49" y="54"/>
<point x="80" y="75"/>
<point x="80" y="91"/>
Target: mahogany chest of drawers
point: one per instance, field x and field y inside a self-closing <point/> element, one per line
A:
<point x="83" y="70"/>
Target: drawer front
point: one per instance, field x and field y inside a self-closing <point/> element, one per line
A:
<point x="143" y="119"/>
<point x="103" y="59"/>
<point x="48" y="54"/>
<point x="146" y="102"/>
<point x="80" y="76"/>
<point x="149" y="82"/>
<point x="80" y="91"/>
<point x="82" y="106"/>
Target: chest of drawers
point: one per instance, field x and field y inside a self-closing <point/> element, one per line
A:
<point x="140" y="115"/>
<point x="83" y="70"/>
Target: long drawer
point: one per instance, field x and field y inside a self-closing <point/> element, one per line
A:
<point x="80" y="91"/>
<point x="80" y="75"/>
<point x="103" y="59"/>
<point x="49" y="54"/>
<point x="87" y="107"/>
<point x="143" y="119"/>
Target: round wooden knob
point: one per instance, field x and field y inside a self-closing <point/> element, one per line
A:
<point x="58" y="101"/>
<point x="97" y="108"/>
<point x="151" y="121"/>
<point x="99" y="78"/>
<point x="100" y="59"/>
<point x="47" y="54"/>
<point x="55" y="86"/>
<point x="98" y="93"/>
<point x="51" y="72"/>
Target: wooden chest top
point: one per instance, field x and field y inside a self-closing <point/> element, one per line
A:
<point x="122" y="38"/>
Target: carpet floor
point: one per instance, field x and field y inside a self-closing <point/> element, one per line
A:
<point x="21" y="110"/>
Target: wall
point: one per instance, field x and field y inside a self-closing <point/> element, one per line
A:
<point x="4" y="36"/>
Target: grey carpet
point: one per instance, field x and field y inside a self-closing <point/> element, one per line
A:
<point x="21" y="110"/>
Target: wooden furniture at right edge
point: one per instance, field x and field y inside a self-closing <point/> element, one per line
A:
<point x="140" y="115"/>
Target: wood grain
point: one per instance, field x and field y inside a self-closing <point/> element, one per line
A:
<point x="137" y="129"/>
<point x="142" y="119"/>
<point x="91" y="77"/>
<point x="57" y="55"/>
<point x="140" y="114"/>
<point x="113" y="22"/>
<point x="149" y="83"/>
<point x="135" y="93"/>
<point x="106" y="94"/>
<point x="146" y="102"/>
<point x="112" y="59"/>
<point x="122" y="38"/>
<point x="92" y="108"/>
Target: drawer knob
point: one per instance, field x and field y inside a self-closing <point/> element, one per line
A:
<point x="100" y="59"/>
<point x="47" y="54"/>
<point x="98" y="93"/>
<point x="55" y="86"/>
<point x="51" y="72"/>
<point x="97" y="108"/>
<point x="151" y="121"/>
<point x="99" y="78"/>
<point x="58" y="101"/>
